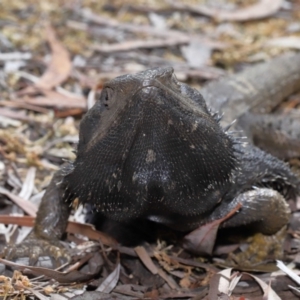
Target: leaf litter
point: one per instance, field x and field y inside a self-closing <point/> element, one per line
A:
<point x="47" y="72"/>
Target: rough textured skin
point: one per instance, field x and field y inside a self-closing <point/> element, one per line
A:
<point x="276" y="134"/>
<point x="261" y="186"/>
<point x="150" y="148"/>
<point x="259" y="89"/>
<point x="154" y="151"/>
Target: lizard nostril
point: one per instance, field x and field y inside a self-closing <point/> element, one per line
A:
<point x="106" y="97"/>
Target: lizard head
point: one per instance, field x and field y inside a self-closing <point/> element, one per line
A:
<point x="149" y="147"/>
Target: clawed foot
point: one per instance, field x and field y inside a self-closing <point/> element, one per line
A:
<point x="262" y="250"/>
<point x="35" y="248"/>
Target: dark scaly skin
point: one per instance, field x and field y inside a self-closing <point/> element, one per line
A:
<point x="247" y="97"/>
<point x="275" y="134"/>
<point x="251" y="95"/>
<point x="149" y="148"/>
<point x="135" y="162"/>
<point x="51" y="225"/>
<point x="258" y="88"/>
<point x="272" y="180"/>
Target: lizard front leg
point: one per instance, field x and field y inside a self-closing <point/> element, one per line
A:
<point x="50" y="224"/>
<point x="266" y="212"/>
<point x="262" y="186"/>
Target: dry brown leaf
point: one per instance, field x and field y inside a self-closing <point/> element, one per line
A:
<point x="262" y="9"/>
<point x="24" y="105"/>
<point x="202" y="239"/>
<point x="146" y="259"/>
<point x="213" y="292"/>
<point x="28" y="184"/>
<point x="16" y="115"/>
<point x="60" y="65"/>
<point x="225" y="282"/>
<point x="228" y="282"/>
<point x="269" y="293"/>
<point x="110" y="281"/>
<point x="145" y="29"/>
<point x="192" y="263"/>
<point x="62" y="277"/>
<point x="90" y="231"/>
<point x="168" y="279"/>
<point x="26" y="205"/>
<point x="68" y="112"/>
<point x="55" y="99"/>
<point x="17" y="220"/>
<point x="73" y="227"/>
<point x="140" y="44"/>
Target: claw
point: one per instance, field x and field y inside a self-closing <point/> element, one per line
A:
<point x="262" y="248"/>
<point x="34" y="248"/>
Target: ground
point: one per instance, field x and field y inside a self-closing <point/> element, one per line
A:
<point x="54" y="58"/>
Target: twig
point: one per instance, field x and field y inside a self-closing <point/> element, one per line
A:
<point x="260" y="10"/>
<point x="90" y="16"/>
<point x="132" y="45"/>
